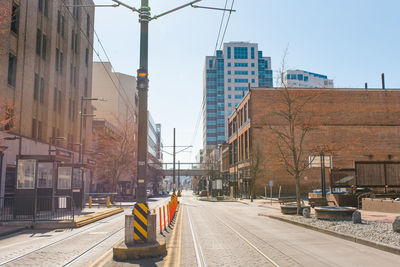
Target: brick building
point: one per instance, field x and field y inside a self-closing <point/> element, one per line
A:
<point x="45" y="68"/>
<point x="349" y="124"/>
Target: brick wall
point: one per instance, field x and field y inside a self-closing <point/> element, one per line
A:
<point x="351" y="124"/>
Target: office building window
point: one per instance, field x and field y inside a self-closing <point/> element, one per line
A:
<point x="41" y="90"/>
<point x="229" y="52"/>
<point x="229" y="72"/>
<point x="238" y="96"/>
<point x="12" y="70"/>
<point x="58" y="21"/>
<point x="40" y="5"/>
<point x="44" y="46"/>
<point x="40" y="130"/>
<point x="36" y="87"/>
<point x="241" y="72"/>
<point x="253" y="80"/>
<point x="229" y="88"/>
<point x="229" y="96"/>
<point x="306" y="78"/>
<point x="229" y="80"/>
<point x="38" y="41"/>
<point x="62" y="25"/>
<point x="87" y="57"/>
<point x="252" y="53"/>
<point x="241" y="52"/>
<point x="252" y="72"/>
<point x="229" y="104"/>
<point x="241" y="65"/>
<point x="46" y="7"/>
<point x="241" y="80"/>
<point x="72" y="39"/>
<point x="300" y="77"/>
<point x="229" y="64"/>
<point x="88" y="25"/>
<point x="57" y="58"/>
<point x="61" y="62"/>
<point x="15" y="18"/>
<point x="59" y="102"/>
<point x="34" y="129"/>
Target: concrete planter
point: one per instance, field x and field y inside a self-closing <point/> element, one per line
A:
<point x="291" y="208"/>
<point x="334" y="213"/>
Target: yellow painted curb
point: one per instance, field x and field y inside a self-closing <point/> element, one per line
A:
<point x="97" y="217"/>
<point x="147" y="250"/>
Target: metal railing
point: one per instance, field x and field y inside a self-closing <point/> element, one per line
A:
<point x="41" y="208"/>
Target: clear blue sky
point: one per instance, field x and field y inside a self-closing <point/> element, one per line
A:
<point x="351" y="41"/>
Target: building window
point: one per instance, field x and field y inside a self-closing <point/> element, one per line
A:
<point x="241" y="52"/>
<point x="40" y="5"/>
<point x="229" y="64"/>
<point x="306" y="78"/>
<point x="61" y="62"/>
<point x="88" y="25"/>
<point x="229" y="80"/>
<point x="71" y="74"/>
<point x="229" y="72"/>
<point x="44" y="46"/>
<point x="46" y="7"/>
<point x="40" y="130"/>
<point x="229" y="88"/>
<point x="58" y="21"/>
<point x="36" y="87"/>
<point x="87" y="57"/>
<point x="41" y="90"/>
<point x="75" y="79"/>
<point x="12" y="70"/>
<point x="34" y="128"/>
<point x="38" y="41"/>
<point x="57" y="58"/>
<point x="252" y="72"/>
<point x="252" y="53"/>
<point x="229" y="52"/>
<point x="72" y="39"/>
<point x="253" y="80"/>
<point x="229" y="104"/>
<point x="300" y="77"/>
<point x="229" y="96"/>
<point x="62" y="25"/>
<point x="70" y="109"/>
<point x="15" y="18"/>
<point x="241" y="80"/>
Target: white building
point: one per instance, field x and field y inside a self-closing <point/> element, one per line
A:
<point x="306" y="79"/>
<point x="227" y="77"/>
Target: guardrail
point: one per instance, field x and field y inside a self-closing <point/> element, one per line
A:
<point x="167" y="212"/>
<point x="40" y="208"/>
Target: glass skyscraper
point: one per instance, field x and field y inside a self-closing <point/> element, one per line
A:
<point x="227" y="77"/>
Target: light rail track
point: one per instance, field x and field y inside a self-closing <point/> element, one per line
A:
<point x="59" y="240"/>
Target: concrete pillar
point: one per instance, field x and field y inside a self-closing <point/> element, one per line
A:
<point x="129" y="230"/>
<point x="152" y="228"/>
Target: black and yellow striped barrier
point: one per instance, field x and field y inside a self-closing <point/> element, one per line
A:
<point x="140" y="212"/>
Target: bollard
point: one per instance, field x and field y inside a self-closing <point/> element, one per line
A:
<point x="108" y="201"/>
<point x="154" y="211"/>
<point x="165" y="225"/>
<point x="208" y="195"/>
<point x="90" y="202"/>
<point x="159" y="211"/>
<point x="168" y="215"/>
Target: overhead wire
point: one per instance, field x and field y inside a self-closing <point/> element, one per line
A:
<point x="215" y="50"/>
<point x="128" y="105"/>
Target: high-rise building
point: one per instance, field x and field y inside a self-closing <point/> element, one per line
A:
<point x="227" y="77"/>
<point x="45" y="68"/>
<point x="305" y="79"/>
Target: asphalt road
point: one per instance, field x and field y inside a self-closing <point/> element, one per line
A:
<point x="232" y="234"/>
<point x="65" y="247"/>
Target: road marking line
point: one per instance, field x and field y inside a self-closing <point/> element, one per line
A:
<point x="196" y="249"/>
<point x="171" y="243"/>
<point x="249" y="243"/>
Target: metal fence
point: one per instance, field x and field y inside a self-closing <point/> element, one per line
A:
<point x="40" y="208"/>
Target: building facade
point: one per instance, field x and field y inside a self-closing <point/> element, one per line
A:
<point x="305" y="79"/>
<point x="119" y="93"/>
<point x="46" y="67"/>
<point x="155" y="156"/>
<point x="351" y="125"/>
<point x="227" y="76"/>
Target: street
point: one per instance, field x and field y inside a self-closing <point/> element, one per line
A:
<point x="65" y="247"/>
<point x="232" y="234"/>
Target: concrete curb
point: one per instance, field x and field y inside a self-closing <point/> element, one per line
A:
<point x="351" y="238"/>
<point x="96" y="217"/>
<point x="148" y="250"/>
<point x="11" y="231"/>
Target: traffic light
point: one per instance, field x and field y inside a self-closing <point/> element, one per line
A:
<point x="142" y="79"/>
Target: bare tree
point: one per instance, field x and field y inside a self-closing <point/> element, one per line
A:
<point x="6" y="119"/>
<point x="115" y="153"/>
<point x="257" y="169"/>
<point x="290" y="125"/>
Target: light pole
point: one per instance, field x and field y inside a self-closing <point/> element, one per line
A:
<point x="81" y="122"/>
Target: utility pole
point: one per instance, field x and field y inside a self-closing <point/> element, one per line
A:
<point x="179" y="177"/>
<point x="143" y="87"/>
<point x="173" y="169"/>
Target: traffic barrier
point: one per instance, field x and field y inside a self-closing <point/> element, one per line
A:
<point x="140" y="212"/>
<point x="159" y="211"/>
<point x="90" y="202"/>
<point x="165" y="225"/>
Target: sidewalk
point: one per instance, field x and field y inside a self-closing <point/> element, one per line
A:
<point x="8" y="230"/>
<point x="274" y="209"/>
